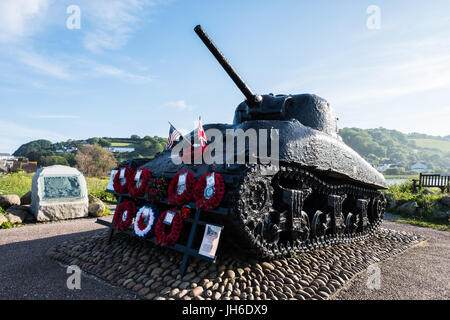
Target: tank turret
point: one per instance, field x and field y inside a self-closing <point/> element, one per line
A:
<point x="310" y="110"/>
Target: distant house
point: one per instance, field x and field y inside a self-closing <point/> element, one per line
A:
<point x="66" y="149"/>
<point x="6" y="156"/>
<point x="384" y="167"/>
<point x="120" y="149"/>
<point x="419" y="167"/>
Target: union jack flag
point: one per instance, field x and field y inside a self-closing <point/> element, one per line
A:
<point x="174" y="134"/>
<point x="201" y="134"/>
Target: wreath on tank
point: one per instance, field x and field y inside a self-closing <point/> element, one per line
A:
<point x="181" y="188"/>
<point x="123" y="217"/>
<point x="209" y="191"/>
<point x="122" y="179"/>
<point x="144" y="224"/>
<point x="157" y="189"/>
<point x="170" y="218"/>
<point x="138" y="182"/>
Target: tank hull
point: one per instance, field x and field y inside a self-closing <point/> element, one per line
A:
<point x="319" y="193"/>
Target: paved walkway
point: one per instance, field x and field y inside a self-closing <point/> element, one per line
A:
<point x="421" y="272"/>
<point x="26" y="272"/>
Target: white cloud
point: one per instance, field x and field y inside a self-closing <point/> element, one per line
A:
<point x="180" y="105"/>
<point x="112" y="22"/>
<point x="44" y="65"/>
<point x="111" y="71"/>
<point x="21" y="18"/>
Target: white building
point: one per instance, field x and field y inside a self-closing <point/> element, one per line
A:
<point x="120" y="149"/>
<point x="6" y="156"/>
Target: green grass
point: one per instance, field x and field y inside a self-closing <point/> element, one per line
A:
<point x="426" y="224"/>
<point x="120" y="144"/>
<point x="15" y="183"/>
<point x="20" y="183"/>
<point x="409" y="177"/>
<point x="433" y="144"/>
<point x="428" y="204"/>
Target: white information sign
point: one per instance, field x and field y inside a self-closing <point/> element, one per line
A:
<point x="210" y="241"/>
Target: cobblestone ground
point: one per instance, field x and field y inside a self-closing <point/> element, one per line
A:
<point x="152" y="272"/>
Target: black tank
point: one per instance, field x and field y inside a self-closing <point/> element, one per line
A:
<point x="320" y="192"/>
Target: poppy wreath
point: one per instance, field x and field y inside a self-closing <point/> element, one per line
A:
<point x="157" y="189"/>
<point x="214" y="200"/>
<point x="139" y="188"/>
<point x="164" y="238"/>
<point x="123" y="218"/>
<point x="186" y="196"/>
<point x="144" y="224"/>
<point x="117" y="182"/>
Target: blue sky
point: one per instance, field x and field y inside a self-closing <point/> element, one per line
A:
<point x="135" y="64"/>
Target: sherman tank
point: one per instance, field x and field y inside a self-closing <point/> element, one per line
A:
<point x="320" y="192"/>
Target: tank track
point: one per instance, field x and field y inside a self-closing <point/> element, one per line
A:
<point x="293" y="210"/>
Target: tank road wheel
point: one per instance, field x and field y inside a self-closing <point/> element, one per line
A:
<point x="352" y="223"/>
<point x="376" y="209"/>
<point x="304" y="227"/>
<point x="321" y="224"/>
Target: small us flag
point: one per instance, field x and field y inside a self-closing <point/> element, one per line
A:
<point x="173" y="136"/>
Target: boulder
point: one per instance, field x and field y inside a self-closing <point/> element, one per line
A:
<point x="58" y="193"/>
<point x="96" y="207"/>
<point x="441" y="215"/>
<point x="9" y="200"/>
<point x="427" y="191"/>
<point x="2" y="219"/>
<point x="445" y="201"/>
<point x="408" y="208"/>
<point x="17" y="214"/>
<point x="26" y="199"/>
<point x="391" y="204"/>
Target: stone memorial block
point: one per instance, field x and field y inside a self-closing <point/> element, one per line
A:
<point x="59" y="193"/>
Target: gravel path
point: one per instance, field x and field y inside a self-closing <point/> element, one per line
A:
<point x="422" y="272"/>
<point x="27" y="273"/>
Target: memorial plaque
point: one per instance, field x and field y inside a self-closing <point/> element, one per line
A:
<point x="61" y="188"/>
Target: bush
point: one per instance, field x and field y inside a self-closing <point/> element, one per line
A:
<point x="94" y="161"/>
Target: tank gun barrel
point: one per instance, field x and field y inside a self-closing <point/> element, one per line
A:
<point x="252" y="99"/>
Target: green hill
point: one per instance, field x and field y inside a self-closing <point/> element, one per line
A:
<point x="46" y="153"/>
<point x="381" y="146"/>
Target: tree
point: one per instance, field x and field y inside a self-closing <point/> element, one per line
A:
<point x="135" y="137"/>
<point x="52" y="160"/>
<point x="94" y="161"/>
